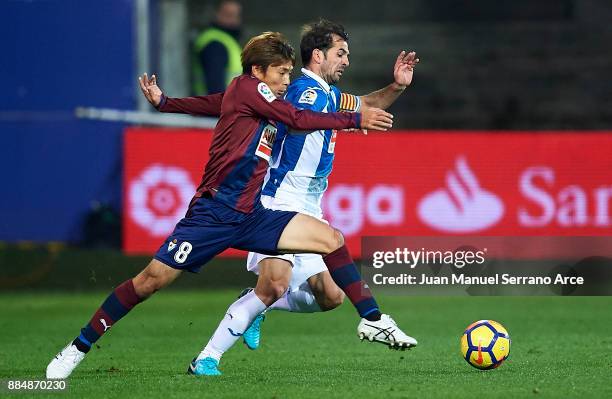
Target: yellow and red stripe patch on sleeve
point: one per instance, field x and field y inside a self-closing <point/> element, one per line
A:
<point x="348" y="103"/>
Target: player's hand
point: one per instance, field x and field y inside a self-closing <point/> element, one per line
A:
<point x="149" y="88"/>
<point x="404" y="68"/>
<point x="376" y="119"/>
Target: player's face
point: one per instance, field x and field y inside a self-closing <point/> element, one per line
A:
<point x="336" y="60"/>
<point x="277" y="77"/>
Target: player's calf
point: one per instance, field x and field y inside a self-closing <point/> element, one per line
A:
<point x="327" y="294"/>
<point x="345" y="274"/>
<point x="118" y="304"/>
<point x="330" y="302"/>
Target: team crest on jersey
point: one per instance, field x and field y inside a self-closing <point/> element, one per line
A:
<point x="172" y="245"/>
<point x="308" y="97"/>
<point x="265" y="91"/>
<point x="266" y="141"/>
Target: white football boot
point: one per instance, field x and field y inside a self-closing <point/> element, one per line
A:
<point x="386" y="332"/>
<point x="64" y="362"/>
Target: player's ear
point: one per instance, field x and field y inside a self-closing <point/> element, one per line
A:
<point x="258" y="72"/>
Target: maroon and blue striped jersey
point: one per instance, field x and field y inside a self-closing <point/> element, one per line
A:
<point x="244" y="135"/>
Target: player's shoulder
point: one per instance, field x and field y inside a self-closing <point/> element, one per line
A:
<point x="336" y="93"/>
<point x="247" y="86"/>
<point x="306" y="92"/>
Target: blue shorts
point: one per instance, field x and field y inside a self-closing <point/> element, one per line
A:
<point x="211" y="227"/>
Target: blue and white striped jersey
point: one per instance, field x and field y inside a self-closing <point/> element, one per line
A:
<point x="301" y="163"/>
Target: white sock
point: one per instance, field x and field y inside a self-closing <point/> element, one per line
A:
<point x="236" y="320"/>
<point x="299" y="300"/>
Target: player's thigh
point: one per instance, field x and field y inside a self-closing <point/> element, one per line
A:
<point x="305" y="234"/>
<point x="197" y="238"/>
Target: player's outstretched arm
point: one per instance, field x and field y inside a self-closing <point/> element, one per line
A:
<point x="306" y="120"/>
<point x="198" y="105"/>
<point x="260" y="100"/>
<point x="403" y="71"/>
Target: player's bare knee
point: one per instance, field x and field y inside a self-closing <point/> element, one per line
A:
<point x="336" y="240"/>
<point x="272" y="291"/>
<point x="148" y="282"/>
<point x="142" y="287"/>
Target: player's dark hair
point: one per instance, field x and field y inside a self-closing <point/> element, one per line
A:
<point x="269" y="48"/>
<point x="319" y="35"/>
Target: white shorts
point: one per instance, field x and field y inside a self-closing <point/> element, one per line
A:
<point x="304" y="265"/>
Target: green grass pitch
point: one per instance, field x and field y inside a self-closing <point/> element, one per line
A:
<point x="561" y="347"/>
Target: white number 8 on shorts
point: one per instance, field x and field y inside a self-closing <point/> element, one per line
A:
<point x="184" y="249"/>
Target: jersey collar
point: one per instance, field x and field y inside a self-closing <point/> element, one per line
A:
<point x="316" y="77"/>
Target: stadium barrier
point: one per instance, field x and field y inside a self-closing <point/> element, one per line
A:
<point x="410" y="183"/>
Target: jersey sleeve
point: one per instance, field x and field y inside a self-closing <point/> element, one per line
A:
<point x="198" y="106"/>
<point x="258" y="99"/>
<point x="347" y="102"/>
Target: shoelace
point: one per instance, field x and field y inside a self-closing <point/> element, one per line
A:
<point x="391" y="320"/>
<point x="397" y="331"/>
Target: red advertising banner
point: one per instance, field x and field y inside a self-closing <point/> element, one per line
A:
<point x="419" y="183"/>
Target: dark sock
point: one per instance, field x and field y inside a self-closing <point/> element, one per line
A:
<point x="117" y="305"/>
<point x="344" y="273"/>
<point x="374" y="316"/>
<point x="80" y="345"/>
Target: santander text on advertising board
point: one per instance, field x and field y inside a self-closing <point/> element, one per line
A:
<point x="403" y="183"/>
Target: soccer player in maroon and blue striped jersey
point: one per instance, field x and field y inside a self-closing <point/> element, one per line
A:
<point x="226" y="212"/>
